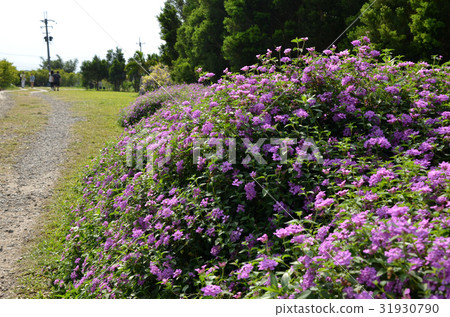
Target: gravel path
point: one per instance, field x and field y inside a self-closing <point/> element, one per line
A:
<point x="23" y="192"/>
<point x="5" y="103"/>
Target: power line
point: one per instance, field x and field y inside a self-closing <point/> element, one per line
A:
<point x="112" y="38"/>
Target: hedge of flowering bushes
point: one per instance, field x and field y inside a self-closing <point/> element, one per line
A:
<point x="308" y="175"/>
<point x="146" y="104"/>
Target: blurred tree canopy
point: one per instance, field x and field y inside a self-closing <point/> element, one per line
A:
<point x="116" y="67"/>
<point x="93" y="72"/>
<point x="139" y="66"/>
<point x="8" y="74"/>
<point x="416" y="29"/>
<point x="169" y="21"/>
<point x="69" y="66"/>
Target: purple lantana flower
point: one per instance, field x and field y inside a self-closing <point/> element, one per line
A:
<point x="211" y="290"/>
<point x="267" y="265"/>
<point x="207" y="127"/>
<point x="250" y="190"/>
<point x="343" y="258"/>
<point x="177" y="235"/>
<point x="393" y="254"/>
<point x="244" y="272"/>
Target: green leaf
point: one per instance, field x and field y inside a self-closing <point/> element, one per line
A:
<point x="273" y="281"/>
<point x="305" y="294"/>
<point x="285" y="279"/>
<point x="267" y="295"/>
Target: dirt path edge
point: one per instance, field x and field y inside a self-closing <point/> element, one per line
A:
<point x="24" y="191"/>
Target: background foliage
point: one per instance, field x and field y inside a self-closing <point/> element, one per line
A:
<point x="416" y="29"/>
<point x="8" y="74"/>
<point x="230" y="33"/>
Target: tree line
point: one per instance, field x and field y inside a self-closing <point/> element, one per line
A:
<point x="112" y="72"/>
<point x="9" y="75"/>
<point x="116" y="70"/>
<point x="218" y="34"/>
<point x="215" y="34"/>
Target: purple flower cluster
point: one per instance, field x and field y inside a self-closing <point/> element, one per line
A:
<point x="151" y="101"/>
<point x="267" y="265"/>
<point x="211" y="290"/>
<point x="244" y="271"/>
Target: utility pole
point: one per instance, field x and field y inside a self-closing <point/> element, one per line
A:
<point x="47" y="38"/>
<point x="140" y="45"/>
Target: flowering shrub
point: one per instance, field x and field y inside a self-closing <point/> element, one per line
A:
<point x="159" y="76"/>
<point x="149" y="102"/>
<point x="306" y="176"/>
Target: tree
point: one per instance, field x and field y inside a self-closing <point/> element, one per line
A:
<point x="159" y="76"/>
<point x="180" y="6"/>
<point x="216" y="34"/>
<point x="208" y="36"/>
<point x="430" y="27"/>
<point x="136" y="68"/>
<point x="169" y="21"/>
<point x="416" y="29"/>
<point x="87" y="73"/>
<point x="199" y="39"/>
<point x="256" y="25"/>
<point x="116" y="69"/>
<point x="153" y="59"/>
<point x="67" y="79"/>
<point x="41" y="77"/>
<point x="57" y="63"/>
<point x="69" y="66"/>
<point x="183" y="71"/>
<point x="8" y="74"/>
<point x="322" y="21"/>
<point x="94" y="71"/>
<point x="248" y="30"/>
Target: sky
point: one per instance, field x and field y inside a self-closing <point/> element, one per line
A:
<point x="82" y="29"/>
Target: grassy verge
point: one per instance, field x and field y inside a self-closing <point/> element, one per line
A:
<point x="98" y="113"/>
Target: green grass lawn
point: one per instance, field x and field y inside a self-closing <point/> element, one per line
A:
<point x="98" y="113"/>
